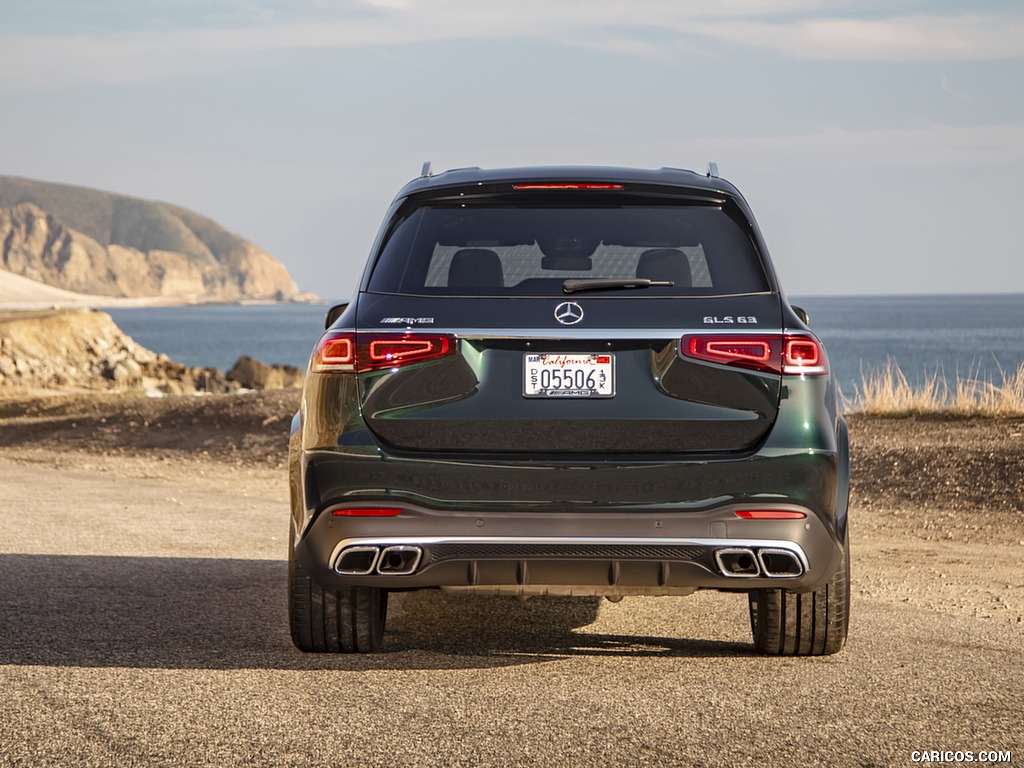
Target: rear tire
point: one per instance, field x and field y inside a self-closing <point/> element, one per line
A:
<point x="803" y="624"/>
<point x="349" y="620"/>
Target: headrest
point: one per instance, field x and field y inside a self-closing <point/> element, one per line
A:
<point x="475" y="268"/>
<point x="661" y="228"/>
<point x="665" y="264"/>
<point x="480" y="228"/>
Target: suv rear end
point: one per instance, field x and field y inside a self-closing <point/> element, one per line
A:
<point x="569" y="381"/>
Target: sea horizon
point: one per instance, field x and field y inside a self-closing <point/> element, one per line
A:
<point x="965" y="334"/>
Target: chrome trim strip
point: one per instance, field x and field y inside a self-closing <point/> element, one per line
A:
<point x="573" y="333"/>
<point x="426" y="541"/>
<point x="614" y="297"/>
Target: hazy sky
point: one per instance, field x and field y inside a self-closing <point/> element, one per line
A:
<point x="880" y="143"/>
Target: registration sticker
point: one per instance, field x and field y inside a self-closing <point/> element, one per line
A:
<point x="556" y="375"/>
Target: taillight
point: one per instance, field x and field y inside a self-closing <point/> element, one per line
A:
<point x="347" y="351"/>
<point x="769" y="353"/>
<point x="803" y="355"/>
<point x="405" y="349"/>
<point x="337" y="353"/>
<point x="759" y="352"/>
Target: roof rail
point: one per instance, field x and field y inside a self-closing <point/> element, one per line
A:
<point x="713" y="170"/>
<point x="426" y="169"/>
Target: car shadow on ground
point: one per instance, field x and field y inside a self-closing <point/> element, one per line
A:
<point x="207" y="613"/>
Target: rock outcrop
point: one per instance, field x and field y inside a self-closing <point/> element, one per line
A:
<point x="84" y="349"/>
<point x="253" y="374"/>
<point x="98" y="243"/>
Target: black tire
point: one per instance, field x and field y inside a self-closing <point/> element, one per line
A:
<point x="808" y="624"/>
<point x="327" y="621"/>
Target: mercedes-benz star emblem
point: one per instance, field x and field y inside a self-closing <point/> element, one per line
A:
<point x="568" y="313"/>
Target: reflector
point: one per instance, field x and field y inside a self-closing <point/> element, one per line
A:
<point x="366" y="512"/>
<point x="769" y="514"/>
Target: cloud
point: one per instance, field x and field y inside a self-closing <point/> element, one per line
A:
<point x="801" y="29"/>
<point x="909" y="38"/>
<point x="945" y="87"/>
<point x="831" y="149"/>
<point x="929" y="147"/>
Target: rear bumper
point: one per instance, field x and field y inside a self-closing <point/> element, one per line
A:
<point x="635" y="526"/>
<point x="611" y="553"/>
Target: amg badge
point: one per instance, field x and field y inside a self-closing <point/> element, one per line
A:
<point x="407" y="320"/>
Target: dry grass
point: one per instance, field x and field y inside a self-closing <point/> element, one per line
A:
<point x="887" y="391"/>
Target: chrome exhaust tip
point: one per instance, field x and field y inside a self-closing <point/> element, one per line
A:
<point x="779" y="563"/>
<point x="737" y="562"/>
<point x="357" y="561"/>
<point x="399" y="560"/>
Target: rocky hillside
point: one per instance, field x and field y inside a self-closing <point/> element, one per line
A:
<point x="99" y="243"/>
<point x="84" y="349"/>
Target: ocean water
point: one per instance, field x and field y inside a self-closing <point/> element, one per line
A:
<point x="218" y="334"/>
<point x="965" y="335"/>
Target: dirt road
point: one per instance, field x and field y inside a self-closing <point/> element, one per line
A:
<point x="143" y="622"/>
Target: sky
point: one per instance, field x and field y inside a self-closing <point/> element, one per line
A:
<point x="879" y="142"/>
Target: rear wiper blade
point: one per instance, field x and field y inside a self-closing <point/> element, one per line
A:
<point x="597" y="284"/>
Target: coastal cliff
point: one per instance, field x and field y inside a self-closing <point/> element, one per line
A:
<point x="85" y="350"/>
<point x="103" y="244"/>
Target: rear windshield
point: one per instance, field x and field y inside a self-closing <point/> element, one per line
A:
<point x="530" y="251"/>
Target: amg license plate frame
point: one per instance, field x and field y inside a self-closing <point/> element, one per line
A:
<point x="575" y="375"/>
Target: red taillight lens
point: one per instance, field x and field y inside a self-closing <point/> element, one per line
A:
<point x="338" y="351"/>
<point x="384" y="352"/>
<point x="769" y="514"/>
<point x="342" y="352"/>
<point x="366" y="512"/>
<point x="567" y="185"/>
<point x="335" y="353"/>
<point x="754" y="351"/>
<point x="774" y="353"/>
<point x="760" y="353"/>
<point x="803" y="355"/>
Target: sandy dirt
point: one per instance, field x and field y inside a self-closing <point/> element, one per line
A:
<point x="21" y="293"/>
<point x="142" y="546"/>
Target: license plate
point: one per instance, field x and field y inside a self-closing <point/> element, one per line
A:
<point x="568" y="375"/>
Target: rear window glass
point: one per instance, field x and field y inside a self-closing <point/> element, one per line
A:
<point x="530" y="251"/>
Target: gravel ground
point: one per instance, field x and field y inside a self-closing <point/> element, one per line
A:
<point x="142" y="618"/>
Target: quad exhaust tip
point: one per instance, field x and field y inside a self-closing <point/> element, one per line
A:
<point x="737" y="562"/>
<point x="779" y="563"/>
<point x="397" y="560"/>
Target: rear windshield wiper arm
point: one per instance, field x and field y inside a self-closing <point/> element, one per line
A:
<point x="597" y="284"/>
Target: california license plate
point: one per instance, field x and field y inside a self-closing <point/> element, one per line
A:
<point x="568" y="375"/>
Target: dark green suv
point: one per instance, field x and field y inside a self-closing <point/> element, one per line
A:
<point x="569" y="381"/>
